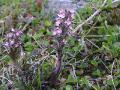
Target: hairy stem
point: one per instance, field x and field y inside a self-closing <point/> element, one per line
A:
<point x="57" y="69"/>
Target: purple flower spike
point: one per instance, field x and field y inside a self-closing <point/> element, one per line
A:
<point x="13" y="39"/>
<point x="63" y="22"/>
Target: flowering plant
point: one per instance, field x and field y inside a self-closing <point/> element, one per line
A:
<point x="63" y="27"/>
<point x="13" y="39"/>
<point x="13" y="44"/>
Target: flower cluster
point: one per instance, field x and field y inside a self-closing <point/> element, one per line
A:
<point x="63" y="22"/>
<point x="13" y="39"/>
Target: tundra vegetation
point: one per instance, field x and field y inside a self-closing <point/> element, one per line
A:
<point x="64" y="50"/>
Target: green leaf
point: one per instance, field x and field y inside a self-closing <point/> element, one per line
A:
<point x="6" y="58"/>
<point x="35" y="22"/>
<point x="71" y="79"/>
<point x="94" y="62"/>
<point x="97" y="73"/>
<point x="28" y="46"/>
<point x="49" y="32"/>
<point x="110" y="3"/>
<point x="48" y="23"/>
<point x="71" y="41"/>
<point x="46" y="42"/>
<point x="3" y="87"/>
<point x="84" y="81"/>
<point x="111" y="82"/>
<point x="36" y="37"/>
<point x="38" y="80"/>
<point x="68" y="87"/>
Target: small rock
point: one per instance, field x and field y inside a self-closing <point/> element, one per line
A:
<point x="55" y="5"/>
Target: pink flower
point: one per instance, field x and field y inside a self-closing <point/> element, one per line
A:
<point x="64" y="41"/>
<point x="61" y="13"/>
<point x="13" y="30"/>
<point x="70" y="27"/>
<point x="54" y="33"/>
<point x="9" y="35"/>
<point x="68" y="22"/>
<point x="72" y="13"/>
<point x="18" y="33"/>
<point x="11" y="42"/>
<point x="57" y="31"/>
<point x="6" y="44"/>
<point x="57" y="23"/>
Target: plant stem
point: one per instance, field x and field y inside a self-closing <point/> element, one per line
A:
<point x="53" y="77"/>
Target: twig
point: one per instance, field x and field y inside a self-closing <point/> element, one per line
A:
<point x="93" y="43"/>
<point x="26" y="25"/>
<point x="6" y="79"/>
<point x="91" y="17"/>
<point x="112" y="75"/>
<point x="101" y="36"/>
